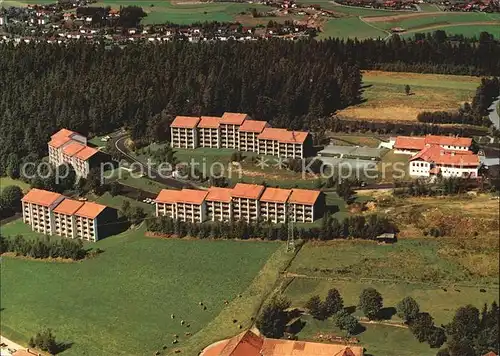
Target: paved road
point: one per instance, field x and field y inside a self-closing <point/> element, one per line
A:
<point x="11" y="344"/>
<point x="494" y="114"/>
<point x="119" y="142"/>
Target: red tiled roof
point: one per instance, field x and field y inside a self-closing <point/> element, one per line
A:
<point x="58" y="142"/>
<point x="448" y="140"/>
<point x="276" y="195"/>
<point x="304" y="196"/>
<point x="188" y="122"/>
<point x="86" y="153"/>
<point x="250" y="344"/>
<point x="418" y="143"/>
<point x="219" y="194"/>
<point x="440" y="156"/>
<point x="283" y="135"/>
<point x="168" y="196"/>
<point x="41" y="197"/>
<point x="209" y="122"/>
<point x="409" y="143"/>
<point x="250" y="191"/>
<point x="253" y="126"/>
<point x="68" y="206"/>
<point x="192" y="196"/>
<point x="491" y="353"/>
<point x="90" y="210"/>
<point x="73" y="148"/>
<point x="232" y="118"/>
<point x="244" y="344"/>
<point x="62" y="133"/>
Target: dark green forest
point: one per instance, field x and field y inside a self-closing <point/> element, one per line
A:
<point x="96" y="89"/>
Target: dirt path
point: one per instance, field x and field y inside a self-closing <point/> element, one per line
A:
<point x="407" y="16"/>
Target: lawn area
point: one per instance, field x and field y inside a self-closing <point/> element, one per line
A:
<point x="411" y="260"/>
<point x="424" y="20"/>
<point x="342" y="139"/>
<point x="378" y="340"/>
<point x="186" y="12"/>
<point x="350" y="27"/>
<point x="121" y="301"/>
<point x="385" y="97"/>
<point x="6" y="181"/>
<point x="117" y="202"/>
<point x="134" y="180"/>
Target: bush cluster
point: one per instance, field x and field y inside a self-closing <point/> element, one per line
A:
<point x="44" y="247"/>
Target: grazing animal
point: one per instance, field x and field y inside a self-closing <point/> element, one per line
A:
<point x="182" y="322"/>
<point x="172" y="316"/>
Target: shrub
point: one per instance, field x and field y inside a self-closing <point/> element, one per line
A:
<point x="370" y="302"/>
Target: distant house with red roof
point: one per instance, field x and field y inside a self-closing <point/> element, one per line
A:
<point x="250" y="344"/>
<point x="412" y="145"/>
<point x="434" y="160"/>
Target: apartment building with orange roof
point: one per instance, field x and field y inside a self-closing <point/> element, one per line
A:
<point x="209" y="131"/>
<point x="219" y="207"/>
<point x="249" y="343"/>
<point x="273" y="204"/>
<point x="70" y="147"/>
<point x="184" y="132"/>
<point x="284" y="143"/>
<point x="90" y="217"/>
<point x="229" y="129"/>
<point x="305" y="205"/>
<point x="37" y="210"/>
<point x="185" y="205"/>
<point x="64" y="217"/>
<point x="53" y="214"/>
<point x="248" y="133"/>
<point x="245" y="200"/>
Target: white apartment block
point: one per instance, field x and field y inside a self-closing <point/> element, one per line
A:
<point x="183" y="132"/>
<point x="273" y="205"/>
<point x="209" y="132"/>
<point x="283" y="143"/>
<point x="69" y="147"/>
<point x="238" y="131"/>
<point x="245" y="199"/>
<point x="244" y="202"/>
<point x="248" y="133"/>
<point x="219" y="207"/>
<point x="185" y="205"/>
<point x="37" y="210"/>
<point x="302" y="204"/>
<point x="52" y="214"/>
<point x="229" y="129"/>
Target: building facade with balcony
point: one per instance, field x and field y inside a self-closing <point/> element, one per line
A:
<point x="37" y="207"/>
<point x="184" y="132"/>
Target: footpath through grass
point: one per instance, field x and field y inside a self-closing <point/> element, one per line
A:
<point x="121" y="301"/>
<point x="6" y="181"/>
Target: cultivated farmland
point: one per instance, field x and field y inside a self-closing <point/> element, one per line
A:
<point x="121" y="301"/>
<point x="386" y="99"/>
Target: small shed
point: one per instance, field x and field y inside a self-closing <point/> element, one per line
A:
<point x="388" y="237"/>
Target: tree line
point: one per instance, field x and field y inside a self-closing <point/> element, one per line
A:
<point x="362" y="227"/>
<point x="44" y="247"/>
<point x="470" y="332"/>
<point x="443" y="186"/>
<point x="95" y="89"/>
<point x="470" y="114"/>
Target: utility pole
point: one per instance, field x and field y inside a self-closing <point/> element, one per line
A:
<point x="290" y="243"/>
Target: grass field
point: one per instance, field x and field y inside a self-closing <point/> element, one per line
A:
<point x="188" y="11"/>
<point x="378" y="340"/>
<point x="385" y="97"/>
<point x="423" y="20"/>
<point x="121" y="301"/>
<point x="350" y="27"/>
<point x="6" y="181"/>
